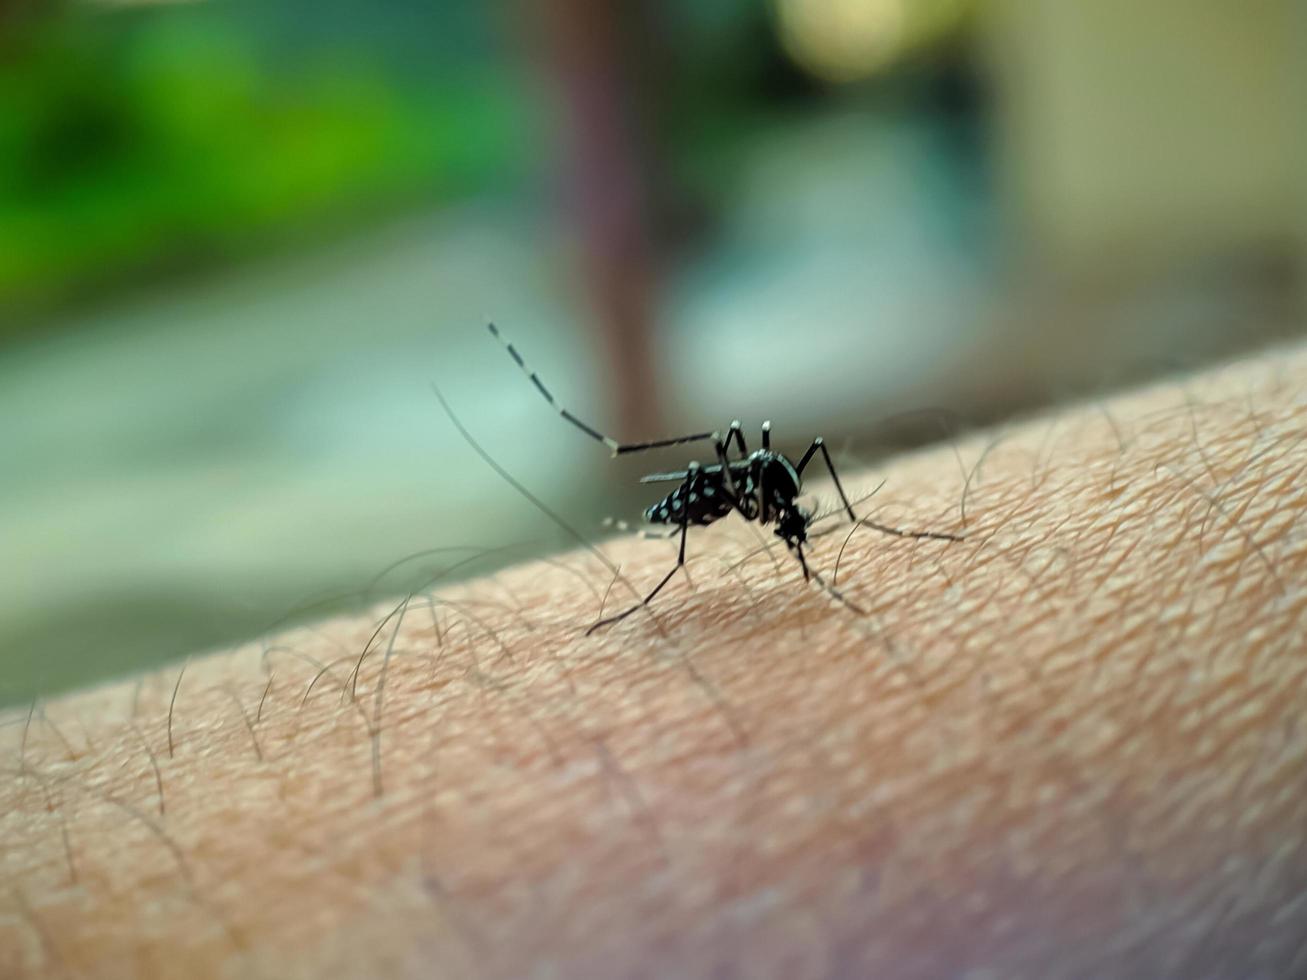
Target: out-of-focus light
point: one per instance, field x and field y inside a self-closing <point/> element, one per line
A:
<point x="841" y="40"/>
<point x="846" y="40"/>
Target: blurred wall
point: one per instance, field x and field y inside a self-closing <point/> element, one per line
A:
<point x="1150" y="132"/>
<point x="245" y="238"/>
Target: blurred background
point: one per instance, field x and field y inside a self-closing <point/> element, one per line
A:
<point x="239" y="241"/>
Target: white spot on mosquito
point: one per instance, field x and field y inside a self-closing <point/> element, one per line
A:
<point x="707" y="492"/>
<point x="693" y="497"/>
<point x="676" y="503"/>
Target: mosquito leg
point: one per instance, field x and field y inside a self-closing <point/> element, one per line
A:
<point x="649" y="534"/>
<point x="622" y="448"/>
<point x="900" y="533"/>
<point x="741" y="504"/>
<point x="803" y="562"/>
<point x="617" y="448"/>
<point x="817" y="444"/>
<point x="734" y="432"/>
<point x="820" y="443"/>
<point x="830" y="590"/>
<point x="691" y="485"/>
<point x="728" y="476"/>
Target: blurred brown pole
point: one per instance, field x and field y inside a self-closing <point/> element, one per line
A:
<point x="595" y="50"/>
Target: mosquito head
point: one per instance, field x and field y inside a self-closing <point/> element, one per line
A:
<point x="792" y="525"/>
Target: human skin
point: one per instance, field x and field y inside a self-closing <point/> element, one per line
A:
<point x="1068" y="745"/>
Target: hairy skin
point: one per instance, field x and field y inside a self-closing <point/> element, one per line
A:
<point x="1070" y="745"/>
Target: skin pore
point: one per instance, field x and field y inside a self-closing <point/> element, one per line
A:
<point x="1069" y="745"/>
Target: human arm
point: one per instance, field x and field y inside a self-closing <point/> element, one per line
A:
<point x="1067" y="744"/>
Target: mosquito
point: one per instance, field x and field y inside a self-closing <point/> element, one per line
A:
<point x="763" y="485"/>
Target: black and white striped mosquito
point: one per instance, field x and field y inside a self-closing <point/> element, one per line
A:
<point x="763" y="486"/>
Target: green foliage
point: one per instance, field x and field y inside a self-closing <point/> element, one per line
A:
<point x="146" y="139"/>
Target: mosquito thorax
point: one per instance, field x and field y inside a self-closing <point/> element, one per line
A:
<point x="777" y="473"/>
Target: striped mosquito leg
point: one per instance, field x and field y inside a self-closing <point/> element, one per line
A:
<point x="589" y="430"/>
<point x="692" y="483"/>
<point x="617" y="448"/>
<point x="644" y="532"/>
